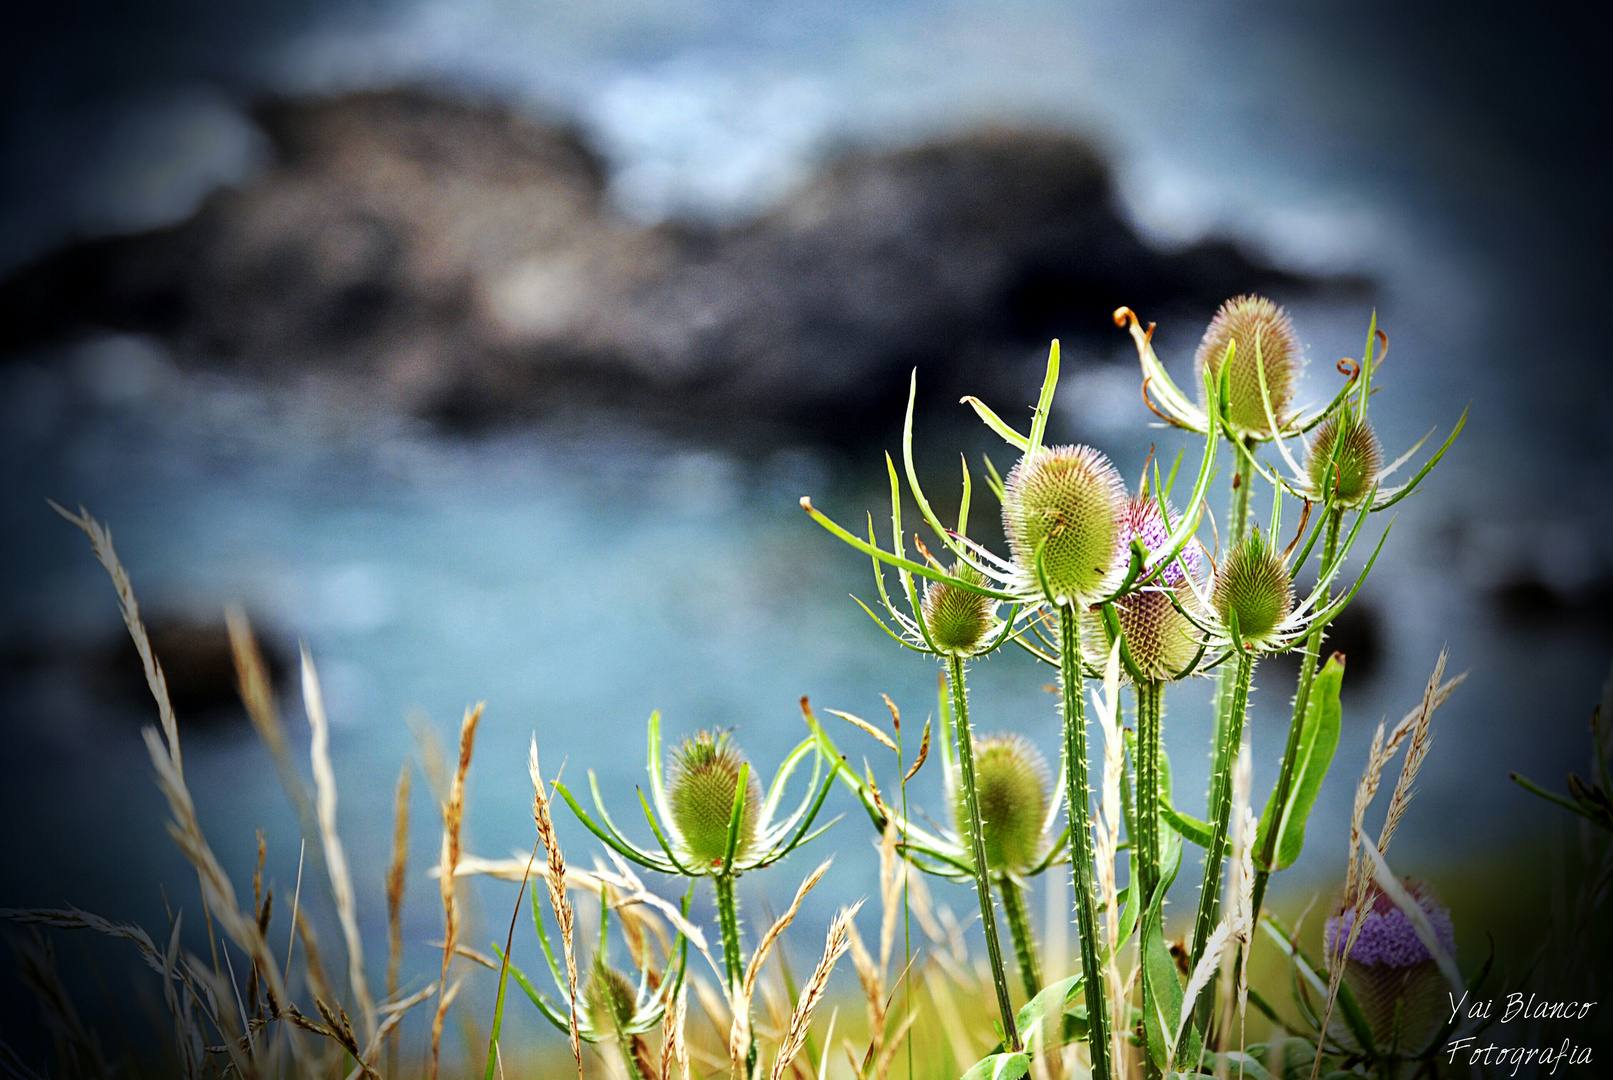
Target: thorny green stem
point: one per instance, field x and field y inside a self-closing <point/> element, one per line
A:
<point x="1242" y="482"/>
<point x="977" y="846"/>
<point x="732" y="960"/>
<point x="1148" y="747"/>
<point x="1078" y="795"/>
<point x="1302" y="698"/>
<point x="1220" y="808"/>
<point x="1019" y="928"/>
<point x="1147" y="815"/>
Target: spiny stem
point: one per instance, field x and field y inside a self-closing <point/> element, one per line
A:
<point x="1242" y="483"/>
<point x="1302" y="699"/>
<point x="1019" y="928"/>
<point x="977" y="846"/>
<point x="733" y="962"/>
<point x="1147" y="817"/>
<point x="1078" y="795"/>
<point x="1148" y="749"/>
<point x="1220" y="808"/>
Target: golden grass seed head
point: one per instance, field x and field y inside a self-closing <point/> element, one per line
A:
<point x="705" y="775"/>
<point x="1011" y="784"/>
<point x="959" y="621"/>
<point x="1345" y="459"/>
<point x="1253" y="583"/>
<point x="1069" y="501"/>
<point x="609" y="997"/>
<point x="1254" y="326"/>
<point x="1393" y="976"/>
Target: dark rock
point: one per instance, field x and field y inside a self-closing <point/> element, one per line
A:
<point x="1358" y="634"/>
<point x="197" y="664"/>
<point x="459" y="260"/>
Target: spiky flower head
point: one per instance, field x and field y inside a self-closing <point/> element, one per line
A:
<point x="1390" y="970"/>
<point x="705" y="776"/>
<point x="1345" y="459"/>
<point x="609" y="998"/>
<point x="1011" y="785"/>
<point x="1161" y="641"/>
<point x="1256" y="327"/>
<point x="1252" y="583"/>
<point x="958" y="620"/>
<point x="1068" y="501"/>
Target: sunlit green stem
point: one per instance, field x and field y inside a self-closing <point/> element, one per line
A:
<point x="1078" y="795"/>
<point x="1242" y="483"/>
<point x="1220" y="813"/>
<point x="977" y="846"/>
<point x="1146" y="829"/>
<point x="1148" y="750"/>
<point x="732" y="960"/>
<point x="1302" y="699"/>
<point x="1019" y="928"/>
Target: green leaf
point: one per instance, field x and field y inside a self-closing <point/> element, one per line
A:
<point x="1050" y="1002"/>
<point x="1319" y="738"/>
<point x="1188" y="828"/>
<point x="1000" y="1067"/>
<point x="1162" y="987"/>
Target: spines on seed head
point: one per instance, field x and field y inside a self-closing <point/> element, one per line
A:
<point x="1263" y="341"/>
<point x="959" y="621"/>
<point x="1011" y="784"/>
<point x="1345" y="459"/>
<point x="1067" y="502"/>
<point x="705" y="776"/>
<point x="1252" y="583"/>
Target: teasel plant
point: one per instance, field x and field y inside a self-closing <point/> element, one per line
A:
<point x="710" y="819"/>
<point x="1018" y="812"/>
<point x="1061" y="512"/>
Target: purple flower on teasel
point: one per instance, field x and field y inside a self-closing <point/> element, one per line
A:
<point x="1387" y="934"/>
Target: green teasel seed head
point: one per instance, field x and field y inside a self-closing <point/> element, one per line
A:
<point x="1011" y="786"/>
<point x="1252" y="583"/>
<point x="1069" y="502"/>
<point x="705" y="775"/>
<point x="1161" y="641"/>
<point x="1255" y="327"/>
<point x="609" y="997"/>
<point x="1345" y="459"/>
<point x="958" y="620"/>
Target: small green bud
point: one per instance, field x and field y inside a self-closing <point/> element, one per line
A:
<point x="1253" y="583"/>
<point x="1344" y="459"/>
<point x="1068" y="501"/>
<point x="1011" y="785"/>
<point x="1257" y="327"/>
<point x="609" y="998"/>
<point x="958" y="620"/>
<point x="705" y="775"/>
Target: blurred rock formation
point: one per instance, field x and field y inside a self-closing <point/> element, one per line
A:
<point x="460" y="261"/>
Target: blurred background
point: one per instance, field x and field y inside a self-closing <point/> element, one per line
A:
<point x="486" y="348"/>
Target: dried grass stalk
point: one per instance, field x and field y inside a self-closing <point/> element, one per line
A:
<point x="396" y="879"/>
<point x="1106" y="849"/>
<point x="217" y="891"/>
<point x="341" y="881"/>
<point x="555" y="879"/>
<point x="453" y="812"/>
<point x="739" y="1031"/>
<point x="834" y="947"/>
<point x="857" y="721"/>
<point x="1416" y="725"/>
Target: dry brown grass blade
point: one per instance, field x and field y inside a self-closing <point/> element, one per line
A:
<point x="739" y="1031"/>
<point x="217" y="891"/>
<point x="1357" y="892"/>
<point x="857" y="721"/>
<point x="924" y="755"/>
<point x="396" y="879"/>
<point x="453" y="812"/>
<point x="672" y="1021"/>
<point x="834" y="947"/>
<point x="341" y="880"/>
<point x="555" y="879"/>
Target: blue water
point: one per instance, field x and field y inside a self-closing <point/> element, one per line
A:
<point x="577" y="578"/>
